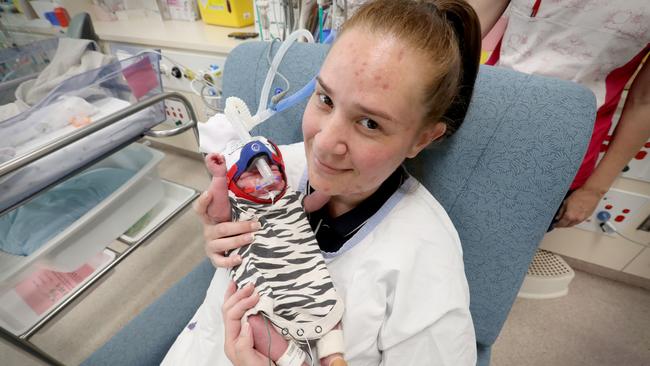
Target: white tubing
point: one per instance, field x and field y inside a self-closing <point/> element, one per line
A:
<point x="264" y="98"/>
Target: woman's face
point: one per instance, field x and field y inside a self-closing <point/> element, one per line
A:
<point x="366" y="115"/>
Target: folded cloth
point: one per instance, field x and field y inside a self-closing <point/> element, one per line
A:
<point x="8" y="110"/>
<point x="72" y="57"/>
<point x="215" y="134"/>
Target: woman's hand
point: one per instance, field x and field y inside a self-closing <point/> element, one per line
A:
<point x="238" y="342"/>
<point x="578" y="207"/>
<point x="223" y="237"/>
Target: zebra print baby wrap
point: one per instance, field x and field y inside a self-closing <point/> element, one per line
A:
<point x="287" y="268"/>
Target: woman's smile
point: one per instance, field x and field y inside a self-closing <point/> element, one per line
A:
<point x="327" y="168"/>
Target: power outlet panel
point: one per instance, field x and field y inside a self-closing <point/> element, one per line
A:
<point x="173" y="75"/>
<point x="176" y="112"/>
<point x="622" y="206"/>
<point x="199" y="63"/>
<point x="639" y="167"/>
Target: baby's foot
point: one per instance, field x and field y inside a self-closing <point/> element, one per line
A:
<point x="219" y="208"/>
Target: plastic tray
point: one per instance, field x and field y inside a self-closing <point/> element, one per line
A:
<point x="175" y="198"/>
<point x="101" y="225"/>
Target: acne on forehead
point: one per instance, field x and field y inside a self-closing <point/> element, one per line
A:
<point x="376" y="63"/>
<point x="379" y="80"/>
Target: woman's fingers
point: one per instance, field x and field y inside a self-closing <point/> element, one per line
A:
<point x="228" y="229"/>
<point x="201" y="207"/>
<point x="235" y="305"/>
<point x="246" y="354"/>
<point x="220" y="260"/>
<point x="224" y="237"/>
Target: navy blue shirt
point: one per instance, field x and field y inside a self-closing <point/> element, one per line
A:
<point x="333" y="232"/>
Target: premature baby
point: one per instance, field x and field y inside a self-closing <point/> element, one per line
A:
<point x="284" y="261"/>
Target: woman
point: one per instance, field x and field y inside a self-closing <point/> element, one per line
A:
<point x="399" y="77"/>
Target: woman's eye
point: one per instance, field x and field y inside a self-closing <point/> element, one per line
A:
<point x="369" y="124"/>
<point x="324" y="99"/>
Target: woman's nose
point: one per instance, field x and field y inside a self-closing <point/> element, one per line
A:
<point x="333" y="135"/>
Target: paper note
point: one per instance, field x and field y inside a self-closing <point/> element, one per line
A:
<point x="44" y="288"/>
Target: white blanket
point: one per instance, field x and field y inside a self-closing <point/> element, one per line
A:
<point x="72" y="57"/>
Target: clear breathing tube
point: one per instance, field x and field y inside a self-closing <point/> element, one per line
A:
<point x="264" y="99"/>
<point x="264" y="111"/>
<point x="240" y="118"/>
<point x="239" y="115"/>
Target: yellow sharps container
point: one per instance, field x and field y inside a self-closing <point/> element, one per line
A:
<point x="229" y="13"/>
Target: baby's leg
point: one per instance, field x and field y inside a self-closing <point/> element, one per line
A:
<point x="219" y="208"/>
<point x="278" y="345"/>
<point x="261" y="330"/>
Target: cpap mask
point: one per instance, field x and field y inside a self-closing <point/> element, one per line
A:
<point x="242" y="158"/>
<point x="240" y="118"/>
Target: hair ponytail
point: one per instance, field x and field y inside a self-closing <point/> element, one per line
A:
<point x="465" y="23"/>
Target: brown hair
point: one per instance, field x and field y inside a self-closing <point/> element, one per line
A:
<point x="448" y="33"/>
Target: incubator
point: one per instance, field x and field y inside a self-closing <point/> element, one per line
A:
<point x="70" y="167"/>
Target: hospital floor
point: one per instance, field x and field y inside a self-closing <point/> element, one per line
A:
<point x="600" y="321"/>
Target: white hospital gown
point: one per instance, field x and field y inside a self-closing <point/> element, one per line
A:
<point x="401" y="278"/>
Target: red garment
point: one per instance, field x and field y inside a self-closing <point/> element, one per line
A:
<point x="596" y="43"/>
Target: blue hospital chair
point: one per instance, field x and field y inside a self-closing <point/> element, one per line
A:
<point x="501" y="178"/>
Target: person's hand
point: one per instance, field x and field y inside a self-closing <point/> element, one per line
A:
<point x="238" y="342"/>
<point x="578" y="207"/>
<point x="223" y="237"/>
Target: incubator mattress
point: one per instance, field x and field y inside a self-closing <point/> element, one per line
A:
<point x="56" y="209"/>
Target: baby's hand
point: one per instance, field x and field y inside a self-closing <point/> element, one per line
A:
<point x="223" y="237"/>
<point x="216" y="164"/>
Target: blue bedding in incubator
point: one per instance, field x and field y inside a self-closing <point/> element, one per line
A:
<point x="27" y="228"/>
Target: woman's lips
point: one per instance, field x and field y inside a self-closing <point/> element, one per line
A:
<point x="327" y="168"/>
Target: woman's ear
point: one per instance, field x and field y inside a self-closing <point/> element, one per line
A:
<point x="428" y="134"/>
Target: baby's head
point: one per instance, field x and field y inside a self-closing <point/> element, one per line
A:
<point x="244" y="176"/>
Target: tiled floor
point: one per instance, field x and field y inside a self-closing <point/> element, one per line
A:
<point x="599" y="323"/>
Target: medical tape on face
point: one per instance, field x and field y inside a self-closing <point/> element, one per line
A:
<point x="293" y="356"/>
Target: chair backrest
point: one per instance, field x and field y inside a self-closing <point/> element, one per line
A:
<point x="501" y="177"/>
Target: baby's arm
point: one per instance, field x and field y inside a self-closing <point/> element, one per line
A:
<point x="219" y="209"/>
<point x="314" y="201"/>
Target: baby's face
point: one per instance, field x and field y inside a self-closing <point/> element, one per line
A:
<point x="249" y="180"/>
